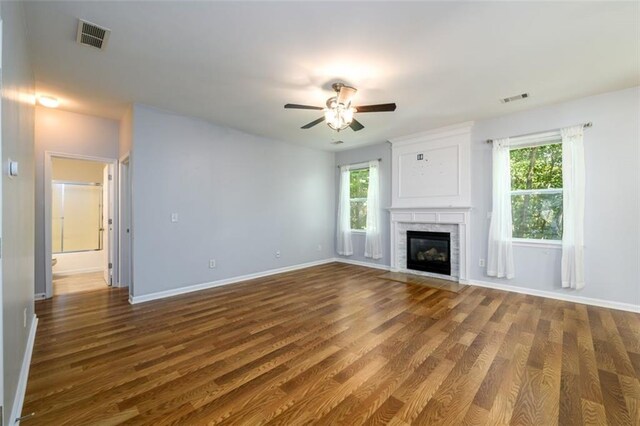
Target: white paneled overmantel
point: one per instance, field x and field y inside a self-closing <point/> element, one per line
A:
<point x="431" y="191"/>
<point x="454" y="220"/>
<point x="432" y="169"/>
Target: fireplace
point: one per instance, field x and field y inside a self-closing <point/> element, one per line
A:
<point x="429" y="252"/>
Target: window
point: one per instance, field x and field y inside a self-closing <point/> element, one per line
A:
<point x="536" y="191"/>
<point x="358" y="187"/>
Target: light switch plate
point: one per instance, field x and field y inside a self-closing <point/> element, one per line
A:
<point x="174" y="217"/>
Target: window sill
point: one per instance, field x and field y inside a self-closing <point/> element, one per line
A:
<point x="523" y="242"/>
<point x="358" y="231"/>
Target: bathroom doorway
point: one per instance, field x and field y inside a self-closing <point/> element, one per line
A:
<point x="79" y="205"/>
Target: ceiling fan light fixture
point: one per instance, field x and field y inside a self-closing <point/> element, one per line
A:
<point x="338" y="116"/>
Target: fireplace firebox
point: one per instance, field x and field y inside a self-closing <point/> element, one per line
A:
<point x="429" y="252"/>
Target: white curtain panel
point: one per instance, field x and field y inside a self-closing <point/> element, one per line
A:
<point x="344" y="245"/>
<point x="373" y="240"/>
<point x="500" y="254"/>
<point x="573" y="182"/>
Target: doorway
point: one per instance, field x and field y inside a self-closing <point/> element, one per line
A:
<point x="79" y="223"/>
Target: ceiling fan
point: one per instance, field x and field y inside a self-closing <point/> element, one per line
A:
<point x="339" y="112"/>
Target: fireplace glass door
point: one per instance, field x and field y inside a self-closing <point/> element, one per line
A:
<point x="429" y="252"/>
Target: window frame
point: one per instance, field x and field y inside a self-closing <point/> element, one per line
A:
<point x="530" y="141"/>
<point x="354" y="168"/>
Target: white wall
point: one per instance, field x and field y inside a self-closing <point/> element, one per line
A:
<point x="239" y="198"/>
<point x="17" y="202"/>
<point x="612" y="216"/>
<point x="352" y="156"/>
<point x="612" y="210"/>
<point x="69" y="133"/>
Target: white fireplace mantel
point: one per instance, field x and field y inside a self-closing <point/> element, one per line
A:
<point x="431" y="184"/>
<point x="459" y="216"/>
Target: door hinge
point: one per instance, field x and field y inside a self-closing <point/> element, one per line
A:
<point x="110" y="265"/>
<point x="110" y="177"/>
<point x="110" y="221"/>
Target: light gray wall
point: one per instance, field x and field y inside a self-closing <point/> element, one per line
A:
<point x="612" y="212"/>
<point x="359" y="155"/>
<point x="126" y="128"/>
<point x="17" y="197"/>
<point x="68" y="133"/>
<point x="239" y="198"/>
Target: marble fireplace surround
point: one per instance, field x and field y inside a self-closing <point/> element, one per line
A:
<point x="454" y="220"/>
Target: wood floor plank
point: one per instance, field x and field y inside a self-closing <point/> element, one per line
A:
<point x="333" y="344"/>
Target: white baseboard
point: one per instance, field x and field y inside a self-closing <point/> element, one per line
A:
<point x="559" y="296"/>
<point x="361" y="263"/>
<point x="77" y="271"/>
<point x="541" y="293"/>
<point x="188" y="289"/>
<point x="21" y="389"/>
<point x="40" y="296"/>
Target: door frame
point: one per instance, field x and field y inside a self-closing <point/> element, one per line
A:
<point x="48" y="251"/>
<point x="2" y="177"/>
<point x="125" y="207"/>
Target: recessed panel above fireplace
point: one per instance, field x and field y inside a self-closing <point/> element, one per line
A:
<point x="429" y="252"/>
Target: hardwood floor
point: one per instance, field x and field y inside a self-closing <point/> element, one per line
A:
<point x="333" y="344"/>
<point x="78" y="283"/>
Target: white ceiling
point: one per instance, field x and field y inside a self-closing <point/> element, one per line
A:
<point x="237" y="64"/>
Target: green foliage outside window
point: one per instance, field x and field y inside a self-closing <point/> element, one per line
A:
<point x="536" y="192"/>
<point x="358" y="187"/>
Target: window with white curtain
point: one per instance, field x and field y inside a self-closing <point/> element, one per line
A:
<point x="536" y="187"/>
<point x="358" y="187"/>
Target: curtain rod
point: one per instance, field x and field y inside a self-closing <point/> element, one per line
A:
<point x="359" y="162"/>
<point x="584" y="125"/>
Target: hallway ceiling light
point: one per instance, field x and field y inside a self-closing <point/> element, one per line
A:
<point x="48" y="101"/>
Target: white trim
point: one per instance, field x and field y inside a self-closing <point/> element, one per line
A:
<point x="362" y="263"/>
<point x="529" y="242"/>
<point x="536" y="139"/>
<point x="226" y="281"/>
<point x="559" y="296"/>
<point x="24" y="374"/>
<point x="40" y="296"/>
<point x="433" y="134"/>
<point x="125" y="160"/>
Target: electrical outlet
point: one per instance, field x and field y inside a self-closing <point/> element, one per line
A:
<point x="481" y="263"/>
<point x="24" y="318"/>
<point x="319" y="247"/>
<point x="174" y="217"/>
<point x="278" y="254"/>
<point x="212" y="263"/>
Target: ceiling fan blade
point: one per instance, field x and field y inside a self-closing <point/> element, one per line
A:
<point x="356" y="125"/>
<point x="346" y="94"/>
<point x="376" y="108"/>
<point x="313" y="123"/>
<point x="297" y="106"/>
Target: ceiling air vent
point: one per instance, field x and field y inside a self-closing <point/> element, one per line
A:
<point x="92" y="35"/>
<point x="514" y="98"/>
